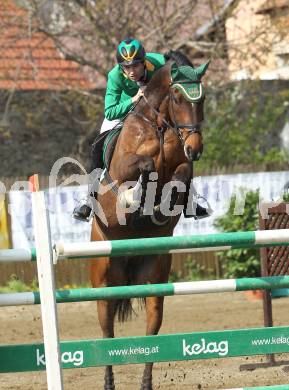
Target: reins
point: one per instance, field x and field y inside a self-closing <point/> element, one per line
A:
<point x="193" y="128"/>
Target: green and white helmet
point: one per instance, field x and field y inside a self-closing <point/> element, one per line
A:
<point x="130" y="51"/>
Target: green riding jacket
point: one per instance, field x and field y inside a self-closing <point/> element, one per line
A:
<point x="120" y="89"/>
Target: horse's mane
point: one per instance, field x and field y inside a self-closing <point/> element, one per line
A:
<point x="178" y="57"/>
<point x="157" y="87"/>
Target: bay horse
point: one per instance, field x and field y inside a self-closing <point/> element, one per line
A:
<point x="156" y="147"/>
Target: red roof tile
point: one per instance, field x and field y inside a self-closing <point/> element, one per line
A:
<point x="32" y="62"/>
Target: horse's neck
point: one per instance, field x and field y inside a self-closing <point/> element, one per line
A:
<point x="148" y="108"/>
<point x="156" y="92"/>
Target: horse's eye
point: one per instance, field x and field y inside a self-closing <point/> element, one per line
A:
<point x="176" y="97"/>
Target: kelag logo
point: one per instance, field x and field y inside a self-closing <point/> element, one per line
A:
<point x="66" y="357"/>
<point x="203" y="347"/>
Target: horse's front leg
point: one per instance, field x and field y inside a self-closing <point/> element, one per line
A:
<point x="135" y="167"/>
<point x="146" y="167"/>
<point x="106" y="311"/>
<point x="156" y="269"/>
<point x="154" y="312"/>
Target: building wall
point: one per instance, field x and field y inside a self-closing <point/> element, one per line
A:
<point x="258" y="42"/>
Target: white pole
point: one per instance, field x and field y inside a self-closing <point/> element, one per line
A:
<point x="47" y="288"/>
<point x="15" y="255"/>
<point x="17" y="299"/>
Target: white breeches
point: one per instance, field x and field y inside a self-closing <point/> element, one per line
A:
<point x="108" y="125"/>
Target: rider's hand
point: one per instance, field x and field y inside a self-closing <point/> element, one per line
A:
<point x="139" y="94"/>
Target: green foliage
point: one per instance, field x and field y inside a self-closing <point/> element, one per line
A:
<point x="42" y="127"/>
<point x="15" y="285"/>
<point x="193" y="271"/>
<point x="245" y="262"/>
<point x="197" y="271"/>
<point x="243" y="123"/>
<point x="239" y="263"/>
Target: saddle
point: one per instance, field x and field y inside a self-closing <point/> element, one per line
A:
<point x="103" y="148"/>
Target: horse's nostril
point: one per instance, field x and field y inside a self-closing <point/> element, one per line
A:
<point x="189" y="152"/>
<point x="192" y="155"/>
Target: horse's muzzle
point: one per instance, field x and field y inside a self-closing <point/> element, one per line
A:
<point x="191" y="154"/>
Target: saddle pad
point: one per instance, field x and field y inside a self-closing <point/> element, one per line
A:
<point x="109" y="145"/>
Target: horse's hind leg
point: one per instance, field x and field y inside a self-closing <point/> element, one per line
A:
<point x="154" y="312"/>
<point x="106" y="311"/>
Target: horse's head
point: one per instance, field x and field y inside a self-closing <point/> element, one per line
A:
<point x="175" y="97"/>
<point x="185" y="107"/>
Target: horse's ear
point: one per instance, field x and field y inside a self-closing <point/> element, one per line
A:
<point x="201" y="70"/>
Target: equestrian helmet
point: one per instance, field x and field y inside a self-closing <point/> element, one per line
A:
<point x="130" y="51"/>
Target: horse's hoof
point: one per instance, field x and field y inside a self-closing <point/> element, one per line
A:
<point x="109" y="387"/>
<point x="146" y="384"/>
<point x="109" y="384"/>
<point x="158" y="218"/>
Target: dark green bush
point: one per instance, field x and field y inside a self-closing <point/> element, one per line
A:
<point x="240" y="263"/>
<point x="243" y="125"/>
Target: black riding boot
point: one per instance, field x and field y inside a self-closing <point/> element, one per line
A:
<point x="82" y="212"/>
<point x="201" y="212"/>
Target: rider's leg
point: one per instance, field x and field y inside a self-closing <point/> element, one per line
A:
<point x="109" y="125"/>
<point x="82" y="212"/>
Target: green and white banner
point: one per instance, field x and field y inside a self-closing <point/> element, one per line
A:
<point x="130" y="350"/>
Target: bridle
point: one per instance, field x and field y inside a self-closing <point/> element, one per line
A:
<point x="195" y="128"/>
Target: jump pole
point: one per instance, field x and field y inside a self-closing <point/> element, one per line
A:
<point x="46" y="286"/>
<point x="140" y="291"/>
<point x="159" y="245"/>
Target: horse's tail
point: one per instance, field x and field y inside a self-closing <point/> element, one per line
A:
<point x="124" y="309"/>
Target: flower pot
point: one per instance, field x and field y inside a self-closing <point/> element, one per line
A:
<point x="254" y="295"/>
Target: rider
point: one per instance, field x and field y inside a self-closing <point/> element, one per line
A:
<point x="125" y="86"/>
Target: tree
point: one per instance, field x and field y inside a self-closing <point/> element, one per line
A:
<point x="88" y="31"/>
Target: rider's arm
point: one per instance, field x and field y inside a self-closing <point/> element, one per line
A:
<point x="115" y="106"/>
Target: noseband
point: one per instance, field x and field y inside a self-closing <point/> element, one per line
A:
<point x="193" y="128"/>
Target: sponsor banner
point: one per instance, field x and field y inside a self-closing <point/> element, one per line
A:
<point x="129" y="350"/>
<point x="218" y="190"/>
<point x="60" y="203"/>
<point x="4" y="230"/>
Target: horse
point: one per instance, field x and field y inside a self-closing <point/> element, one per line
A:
<point x="155" y="150"/>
